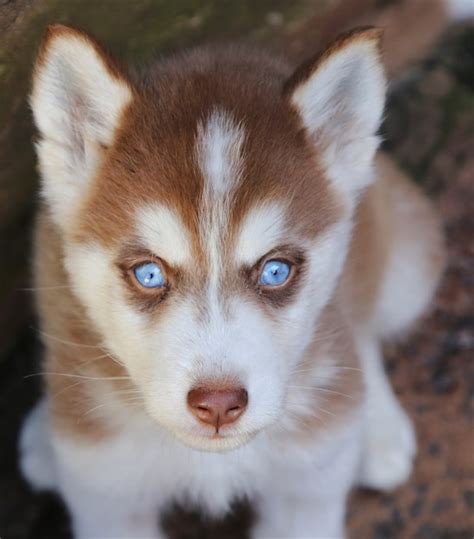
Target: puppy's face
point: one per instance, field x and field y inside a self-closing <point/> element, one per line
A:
<point x="206" y="214"/>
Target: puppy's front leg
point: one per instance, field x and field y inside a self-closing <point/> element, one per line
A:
<point x="390" y="444"/>
<point x="301" y="518"/>
<point x="106" y="490"/>
<point x="310" y="502"/>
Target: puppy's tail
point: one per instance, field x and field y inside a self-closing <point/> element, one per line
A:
<point x="412" y="27"/>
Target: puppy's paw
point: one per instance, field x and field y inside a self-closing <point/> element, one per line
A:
<point x="390" y="448"/>
<point x="36" y="454"/>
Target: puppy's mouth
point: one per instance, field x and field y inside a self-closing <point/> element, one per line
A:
<point x="215" y="438"/>
<point x="217" y="442"/>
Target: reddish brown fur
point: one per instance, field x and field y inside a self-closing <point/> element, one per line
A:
<point x="153" y="159"/>
<point x="379" y="226"/>
<point x="72" y="345"/>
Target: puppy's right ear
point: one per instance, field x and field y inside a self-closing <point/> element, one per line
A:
<point x="78" y="98"/>
<point x="339" y="97"/>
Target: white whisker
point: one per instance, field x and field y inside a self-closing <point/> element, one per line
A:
<point x="63" y="341"/>
<point x="37" y="288"/>
<point x="104" y="404"/>
<point x="83" y="377"/>
<point x="316" y="388"/>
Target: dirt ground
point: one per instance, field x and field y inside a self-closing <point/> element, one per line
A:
<point x="430" y="131"/>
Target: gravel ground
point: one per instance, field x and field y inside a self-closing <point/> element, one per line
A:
<point x="430" y="131"/>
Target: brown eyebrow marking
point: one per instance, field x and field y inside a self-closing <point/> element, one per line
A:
<point x="133" y="253"/>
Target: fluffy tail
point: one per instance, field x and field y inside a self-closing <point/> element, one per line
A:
<point x="411" y="27"/>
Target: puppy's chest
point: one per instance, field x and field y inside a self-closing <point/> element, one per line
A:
<point x="168" y="471"/>
<point x="163" y="470"/>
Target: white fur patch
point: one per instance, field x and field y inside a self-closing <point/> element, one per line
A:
<point x="76" y="104"/>
<point x="262" y="230"/>
<point x="407" y="288"/>
<point x="219" y="146"/>
<point x="218" y="150"/>
<point x="341" y="105"/>
<point x="390" y="437"/>
<point x="73" y="70"/>
<point x="100" y="288"/>
<point x="156" y="469"/>
<point x="164" y="234"/>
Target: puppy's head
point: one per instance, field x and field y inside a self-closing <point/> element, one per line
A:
<point x="205" y="209"/>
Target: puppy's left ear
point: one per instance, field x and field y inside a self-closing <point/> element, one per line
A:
<point x="340" y="98"/>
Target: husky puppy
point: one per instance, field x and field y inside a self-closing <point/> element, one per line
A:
<point x="220" y="252"/>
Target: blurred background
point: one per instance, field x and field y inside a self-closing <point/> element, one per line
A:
<point x="429" y="129"/>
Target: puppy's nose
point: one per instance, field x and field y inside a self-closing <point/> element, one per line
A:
<point x="217" y="407"/>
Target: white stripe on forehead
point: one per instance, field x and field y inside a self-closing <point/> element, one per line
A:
<point x="219" y="155"/>
<point x="163" y="233"/>
<point x="219" y="145"/>
<point x="262" y="229"/>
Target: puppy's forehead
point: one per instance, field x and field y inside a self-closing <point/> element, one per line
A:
<point x="207" y="147"/>
<point x="219" y="156"/>
<point x="219" y="163"/>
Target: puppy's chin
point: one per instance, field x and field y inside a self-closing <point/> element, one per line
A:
<point x="214" y="444"/>
<point x="198" y="438"/>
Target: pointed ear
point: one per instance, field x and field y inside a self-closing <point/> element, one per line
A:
<point x="340" y="98"/>
<point x="77" y="99"/>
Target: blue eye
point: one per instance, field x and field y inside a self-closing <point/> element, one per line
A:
<point x="274" y="273"/>
<point x="150" y="275"/>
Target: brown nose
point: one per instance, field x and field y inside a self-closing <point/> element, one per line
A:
<point x="217" y="407"/>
